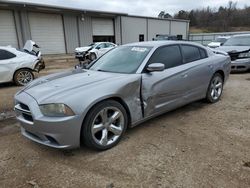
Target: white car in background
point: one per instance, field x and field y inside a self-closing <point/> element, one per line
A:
<point x="93" y="51"/>
<point x="218" y="41"/>
<point x="18" y="66"/>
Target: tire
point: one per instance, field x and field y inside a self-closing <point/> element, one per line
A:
<point x="23" y="76"/>
<point x="99" y="131"/>
<point x="92" y="56"/>
<point x="215" y="88"/>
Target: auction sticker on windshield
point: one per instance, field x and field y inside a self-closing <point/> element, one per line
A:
<point x="139" y="49"/>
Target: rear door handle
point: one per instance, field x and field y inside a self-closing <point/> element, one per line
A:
<point x="184" y="75"/>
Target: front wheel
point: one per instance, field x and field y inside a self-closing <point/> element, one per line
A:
<point x="92" y="56"/>
<point x="215" y="88"/>
<point x="23" y="76"/>
<point x="104" y="125"/>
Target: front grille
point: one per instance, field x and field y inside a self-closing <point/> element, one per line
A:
<point x="233" y="56"/>
<point x="79" y="53"/>
<point x="24" y="110"/>
<point x="27" y="117"/>
<point x="240" y="67"/>
<point x="24" y="106"/>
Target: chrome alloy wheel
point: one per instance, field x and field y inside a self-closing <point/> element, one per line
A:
<point x="24" y="77"/>
<point x="107" y="126"/>
<point x="216" y="87"/>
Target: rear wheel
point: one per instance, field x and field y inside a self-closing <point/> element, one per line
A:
<point x="215" y="88"/>
<point x="104" y="125"/>
<point x="23" y="76"/>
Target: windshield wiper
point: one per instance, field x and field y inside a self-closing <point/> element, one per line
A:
<point x="102" y="70"/>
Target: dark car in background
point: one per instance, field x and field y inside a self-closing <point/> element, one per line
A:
<point x="160" y="37"/>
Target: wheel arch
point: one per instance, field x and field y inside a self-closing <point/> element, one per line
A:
<point x="115" y="98"/>
<point x="221" y="72"/>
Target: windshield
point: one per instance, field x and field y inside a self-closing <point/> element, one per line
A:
<point x="124" y="59"/>
<point x="238" y="41"/>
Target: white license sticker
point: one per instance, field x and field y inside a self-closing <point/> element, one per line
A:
<point x="139" y="49"/>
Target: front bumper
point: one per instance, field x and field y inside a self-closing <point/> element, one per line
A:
<point x="80" y="55"/>
<point x="240" y="65"/>
<point x="56" y="132"/>
<point x="39" y="65"/>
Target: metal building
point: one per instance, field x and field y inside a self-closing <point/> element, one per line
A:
<point x="60" y="30"/>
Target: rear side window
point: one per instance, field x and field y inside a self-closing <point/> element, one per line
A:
<point x="170" y="56"/>
<point x="6" y="55"/>
<point x="190" y="53"/>
<point x="100" y="46"/>
<point x="109" y="45"/>
<point x="203" y="53"/>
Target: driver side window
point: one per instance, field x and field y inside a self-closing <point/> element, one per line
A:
<point x="170" y="56"/>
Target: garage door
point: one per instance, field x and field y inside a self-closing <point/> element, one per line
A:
<point x="102" y="27"/>
<point x="47" y="32"/>
<point x="7" y="29"/>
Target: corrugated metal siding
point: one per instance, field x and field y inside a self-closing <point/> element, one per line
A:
<point x="8" y="34"/>
<point x="71" y="32"/>
<point x="157" y="27"/>
<point x="118" y="30"/>
<point x="25" y="26"/>
<point x="85" y="31"/>
<point x="132" y="28"/>
<point x="47" y="31"/>
<point x="179" y="28"/>
<point x="18" y="29"/>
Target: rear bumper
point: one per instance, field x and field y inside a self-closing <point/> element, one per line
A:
<point x="56" y="132"/>
<point x="240" y="65"/>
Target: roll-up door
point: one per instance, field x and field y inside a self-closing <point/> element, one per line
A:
<point x="8" y="34"/>
<point x="47" y="32"/>
<point x="102" y="27"/>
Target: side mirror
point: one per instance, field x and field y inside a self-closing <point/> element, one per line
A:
<point x="155" y="67"/>
<point x="98" y="48"/>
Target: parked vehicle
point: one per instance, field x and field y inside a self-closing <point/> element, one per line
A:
<point x="126" y="86"/>
<point x="165" y="37"/>
<point x="238" y="47"/>
<point x="93" y="51"/>
<point x="218" y="41"/>
<point x="18" y="66"/>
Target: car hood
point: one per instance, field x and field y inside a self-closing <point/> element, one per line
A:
<point x="29" y="45"/>
<point x="214" y="44"/>
<point x="83" y="49"/>
<point x="57" y="85"/>
<point x="233" y="48"/>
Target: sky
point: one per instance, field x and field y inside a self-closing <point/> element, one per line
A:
<point x="139" y="7"/>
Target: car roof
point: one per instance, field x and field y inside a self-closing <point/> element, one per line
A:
<point x="161" y="43"/>
<point x="242" y="35"/>
<point x="224" y="37"/>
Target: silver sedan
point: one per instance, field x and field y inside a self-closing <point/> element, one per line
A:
<point x="125" y="87"/>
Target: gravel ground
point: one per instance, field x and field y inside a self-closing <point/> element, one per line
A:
<point x="199" y="145"/>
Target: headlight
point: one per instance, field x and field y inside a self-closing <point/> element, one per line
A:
<point x="56" y="110"/>
<point x="244" y="55"/>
